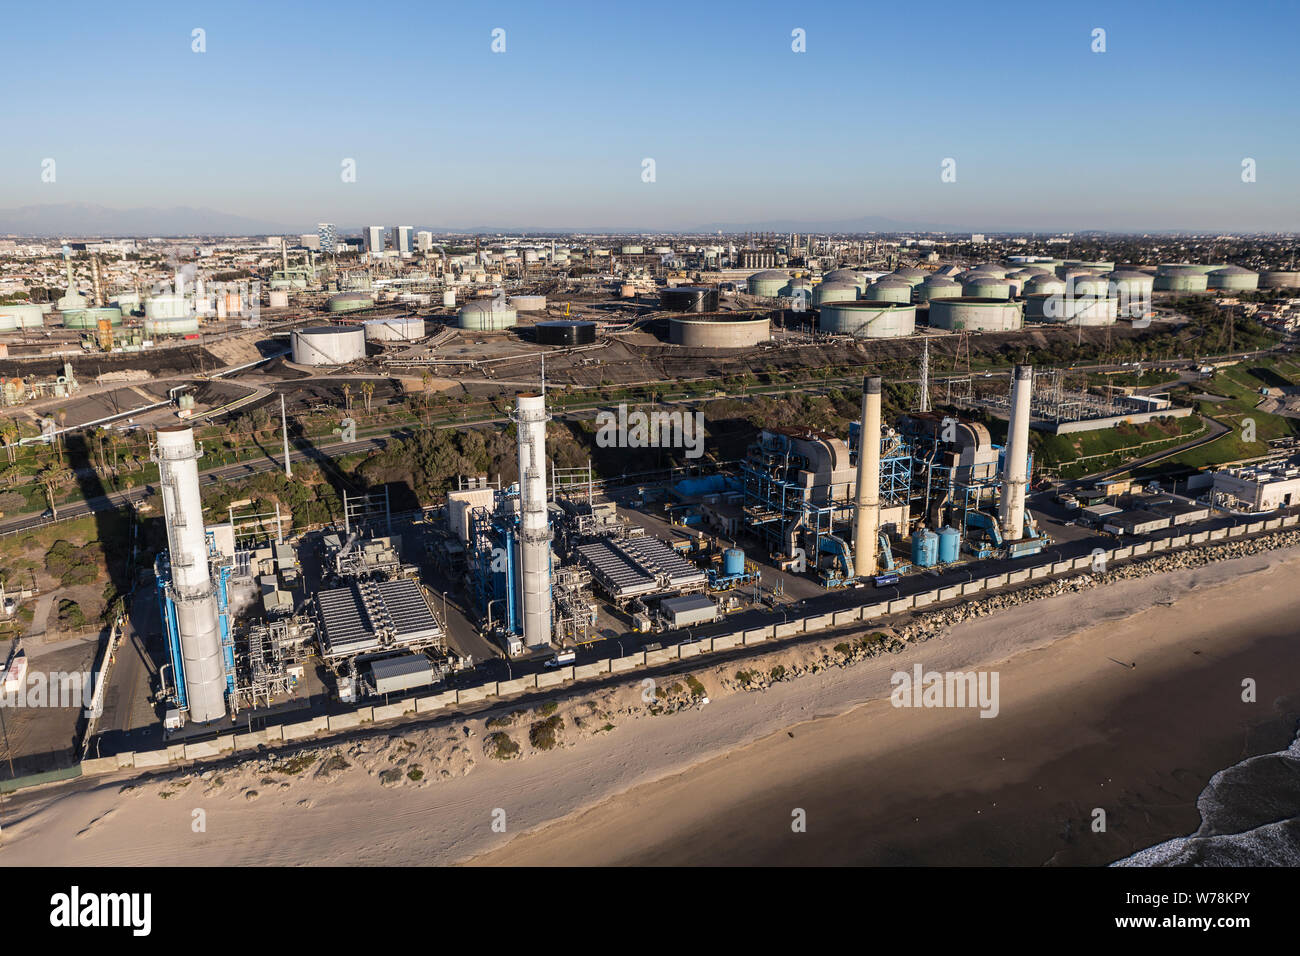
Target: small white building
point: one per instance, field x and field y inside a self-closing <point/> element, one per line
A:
<point x="1264" y="487"/>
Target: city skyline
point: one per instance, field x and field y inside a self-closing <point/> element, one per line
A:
<point x="1044" y="133"/>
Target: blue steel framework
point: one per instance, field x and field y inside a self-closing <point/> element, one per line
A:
<point x="167" y="609"/>
<point x="493" y="533"/>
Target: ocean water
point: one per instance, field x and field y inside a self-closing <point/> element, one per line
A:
<point x="1250" y="816"/>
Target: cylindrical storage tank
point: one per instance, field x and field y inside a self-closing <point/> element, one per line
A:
<point x="992" y="269"/>
<point x="925" y="548"/>
<point x="110" y="313"/>
<point x="689" y="298"/>
<point x="1233" y="279"/>
<point x="937" y="288"/>
<point x="1279" y="279"/>
<point x="836" y="291"/>
<point x="166" y="305"/>
<point x="909" y="274"/>
<point x="565" y="332"/>
<point x="1044" y="284"/>
<point x="1180" y="279"/>
<point x="846" y="275"/>
<point x="888" y="290"/>
<point x="329" y="345"/>
<point x="184" y="325"/>
<point x="449" y="299"/>
<point x="397" y="328"/>
<point x="976" y="314"/>
<point x="74" y="319"/>
<point x="1100" y="267"/>
<point x="633" y="250"/>
<point x="986" y="287"/>
<point x="278" y="299"/>
<point x="23" y="315"/>
<point x="1056" y="307"/>
<point x="733" y="562"/>
<point x="1087" y="284"/>
<point x="1195" y="268"/>
<point x="1068" y="272"/>
<point x="484" y="315"/>
<point x="349" y="302"/>
<point x="868" y="320"/>
<point x="949" y="545"/>
<point x="662" y="250"/>
<point x="767" y="283"/>
<point x="128" y="302"/>
<point x="1132" y="290"/>
<point x="796" y="287"/>
<point x="528" y="303"/>
<point x="721" y="330"/>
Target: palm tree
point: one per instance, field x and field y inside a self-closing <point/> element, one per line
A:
<point x="368" y="391"/>
<point x="347" y="395"/>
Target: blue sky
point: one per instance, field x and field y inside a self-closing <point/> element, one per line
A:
<point x="1046" y="134"/>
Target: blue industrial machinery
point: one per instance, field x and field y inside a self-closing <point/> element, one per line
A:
<point x="493" y="540"/>
<point x="840" y="573"/>
<point x="735" y="571"/>
<point x="167" y="611"/>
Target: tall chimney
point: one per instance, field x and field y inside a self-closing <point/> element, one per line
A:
<point x="1015" y="469"/>
<point x="867" y="517"/>
<point x="192" y="589"/>
<point x="534" y="523"/>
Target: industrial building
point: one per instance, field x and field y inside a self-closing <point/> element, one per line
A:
<point x="1258" y="488"/>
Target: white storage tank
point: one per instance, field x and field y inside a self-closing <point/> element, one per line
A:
<point x="974" y="314"/>
<point x="21" y="315"/>
<point x="868" y="320"/>
<point x="329" y="345"/>
<point x="397" y="328"/>
<point x="166" y="306"/>
<point x="485" y="315"/>
<point x="1233" y="279"/>
<point x="528" y="303"/>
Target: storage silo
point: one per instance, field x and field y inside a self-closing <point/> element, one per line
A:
<point x="720" y="330"/>
<point x="995" y="269"/>
<point x="868" y="320"/>
<point x="925" y="548"/>
<point x="986" y="287"/>
<point x="1132" y="291"/>
<point x="937" y="288"/>
<point x="836" y="291"/>
<point x="1069" y="310"/>
<point x="975" y="314"/>
<point x="909" y="274"/>
<point x="486" y="315"/>
<point x="1087" y="284"/>
<point x="24" y="315"/>
<point x="768" y="283"/>
<point x="1233" y="279"/>
<point x="1046" y="284"/>
<point x="1178" y="278"/>
<point x="329" y="345"/>
<point x="949" y="545"/>
<point x="846" y="275"/>
<point x="888" y="290"/>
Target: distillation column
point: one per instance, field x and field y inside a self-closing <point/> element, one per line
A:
<point x="534" y="523"/>
<point x="866" y="525"/>
<point x="1015" y="468"/>
<point x="192" y="588"/>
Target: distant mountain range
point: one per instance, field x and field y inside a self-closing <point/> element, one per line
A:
<point x="89" y="219"/>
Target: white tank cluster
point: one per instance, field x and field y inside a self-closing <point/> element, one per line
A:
<point x="329" y="345"/>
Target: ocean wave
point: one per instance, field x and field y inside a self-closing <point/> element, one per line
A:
<point x="1250" y="816"/>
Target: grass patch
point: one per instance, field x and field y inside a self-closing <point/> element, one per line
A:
<point x="500" y="747"/>
<point x="505" y="720"/>
<point x="778" y="672"/>
<point x="545" y="734"/>
<point x="548" y="708"/>
<point x="693" y="682"/>
<point x="745" y="677"/>
<point x="415" y="773"/>
<point x="294" y="765"/>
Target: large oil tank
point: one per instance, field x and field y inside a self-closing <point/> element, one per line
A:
<point x="486" y="315"/>
<point x="949" y="545"/>
<point x="889" y="290"/>
<point x="986" y="287"/>
<point x="689" y="298"/>
<point x="733" y="561"/>
<point x="834" y="291"/>
<point x="768" y="283"/>
<point x="976" y="314"/>
<point x="868" y="320"/>
<point x="329" y="345"/>
<point x="396" y="328"/>
<point x="1044" y="284"/>
<point x="909" y="274"/>
<point x="719" y="330"/>
<point x="925" y="548"/>
<point x="23" y="315"/>
<point x="936" y="287"/>
<point x="528" y="303"/>
<point x="1071" y="310"/>
<point x="179" y="325"/>
<point x="166" y="305"/>
<point x="1180" y="278"/>
<point x="565" y="332"/>
<point x="349" y="302"/>
<point x="1279" y="279"/>
<point x="1233" y="279"/>
<point x="846" y="275"/>
<point x="1087" y="284"/>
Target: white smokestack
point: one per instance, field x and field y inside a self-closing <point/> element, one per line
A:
<point x="534" y="523"/>
<point x="867" y="516"/>
<point x="192" y="588"/>
<point x="1015" y="471"/>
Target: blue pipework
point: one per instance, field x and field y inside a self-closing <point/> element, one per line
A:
<point x="167" y="610"/>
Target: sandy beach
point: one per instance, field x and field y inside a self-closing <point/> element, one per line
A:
<point x="1125" y="698"/>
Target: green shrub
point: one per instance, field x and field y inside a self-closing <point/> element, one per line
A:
<point x="545" y="734"/>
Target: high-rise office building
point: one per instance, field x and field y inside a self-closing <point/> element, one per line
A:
<point x="375" y="240"/>
<point x="402" y="239"/>
<point x="328" y="234"/>
<point x="424" y="241"/>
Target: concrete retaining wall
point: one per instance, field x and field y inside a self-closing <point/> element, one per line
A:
<point x="816" y="622"/>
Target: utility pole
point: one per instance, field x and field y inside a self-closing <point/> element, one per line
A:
<point x="284" y="426"/>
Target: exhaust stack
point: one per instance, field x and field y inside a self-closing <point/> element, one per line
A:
<point x="1015" y="471"/>
<point x="534" y="523"/>
<point x="867" y="513"/>
<point x="192" y="588"/>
